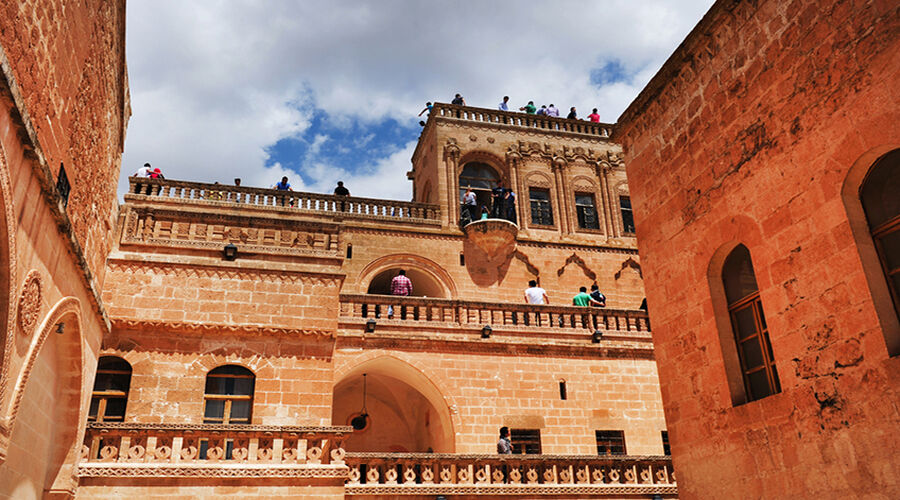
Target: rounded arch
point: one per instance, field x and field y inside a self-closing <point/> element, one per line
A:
<point x="8" y="273"/>
<point x="492" y="160"/>
<point x="422" y="267"/>
<point x="865" y="245"/>
<point x="60" y="337"/>
<point x="583" y="182"/>
<point x="482" y="180"/>
<point x="242" y="356"/>
<point x="538" y="179"/>
<point x="411" y="390"/>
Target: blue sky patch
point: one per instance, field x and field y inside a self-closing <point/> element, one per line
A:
<point x="613" y="71"/>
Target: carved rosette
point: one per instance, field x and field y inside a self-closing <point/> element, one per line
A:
<point x="30" y="302"/>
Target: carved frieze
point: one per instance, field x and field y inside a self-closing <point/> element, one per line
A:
<point x="30" y="300"/>
<point x="188" y="327"/>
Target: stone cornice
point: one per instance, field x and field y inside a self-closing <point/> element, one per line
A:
<point x="495" y="490"/>
<point x="230" y="428"/>
<point x="224" y="271"/>
<point x="190" y="327"/>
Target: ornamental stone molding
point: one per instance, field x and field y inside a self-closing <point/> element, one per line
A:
<point x="30" y="302"/>
<point x="99" y="470"/>
<point x="549" y="491"/>
<point x="200" y="271"/>
<point x="188" y="327"/>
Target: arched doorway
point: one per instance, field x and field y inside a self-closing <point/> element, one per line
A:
<point x="424" y="284"/>
<point x="405" y="412"/>
<point x="481" y="178"/>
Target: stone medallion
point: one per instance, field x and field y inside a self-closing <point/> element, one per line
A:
<point x="30" y="302"/>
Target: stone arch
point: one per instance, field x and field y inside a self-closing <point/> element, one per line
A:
<point x="584" y="183"/>
<point x="538" y="179"/>
<point x="490" y="159"/>
<point x="242" y="356"/>
<point x="70" y="404"/>
<point x="397" y="371"/>
<point x="425" y="267"/>
<point x="865" y="246"/>
<point x="621" y="188"/>
<point x="8" y="273"/>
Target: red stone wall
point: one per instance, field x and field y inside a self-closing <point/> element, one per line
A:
<point x="749" y="134"/>
<point x="68" y="63"/>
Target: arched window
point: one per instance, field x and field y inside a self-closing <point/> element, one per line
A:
<point x="880" y="197"/>
<point x="111" y="386"/>
<point x="751" y="335"/>
<point x="229" y="395"/>
<point x="481" y="178"/>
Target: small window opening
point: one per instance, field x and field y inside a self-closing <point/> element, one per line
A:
<point x="527" y="441"/>
<point x="667" y="450"/>
<point x="610" y="442"/>
<point x="462" y="259"/>
<point x="349" y="251"/>
<point x="627" y="214"/>
<point x="562" y="390"/>
<point x="62" y="185"/>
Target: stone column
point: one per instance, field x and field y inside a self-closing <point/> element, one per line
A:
<point x="562" y="195"/>
<point x="602" y="168"/>
<point x="451" y="164"/>
<point x="512" y="164"/>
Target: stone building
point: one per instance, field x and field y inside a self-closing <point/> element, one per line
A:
<point x="63" y="109"/>
<point x="763" y="164"/>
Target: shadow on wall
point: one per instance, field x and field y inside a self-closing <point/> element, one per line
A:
<point x="424" y="285"/>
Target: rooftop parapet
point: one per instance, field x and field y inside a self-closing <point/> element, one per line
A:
<point x="511" y="119"/>
<point x="348" y="207"/>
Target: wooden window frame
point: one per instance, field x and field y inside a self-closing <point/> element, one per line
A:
<point x="630" y="210"/>
<point x="610" y="442"/>
<point x="103" y="397"/>
<point x="549" y="211"/>
<point x="761" y="334"/>
<point x="579" y="207"/>
<point x="228" y="398"/>
<point x="521" y="446"/>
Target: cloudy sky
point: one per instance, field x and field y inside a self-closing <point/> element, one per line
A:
<point x="327" y="90"/>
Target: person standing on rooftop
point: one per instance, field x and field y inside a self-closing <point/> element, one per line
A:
<point x="504" y="104"/>
<point x="552" y="111"/>
<point x="143" y="171"/>
<point x="543" y="110"/>
<point x="594" y="117"/>
<point x="572" y="114"/>
<point x="529" y="108"/>
<point x="458" y="100"/>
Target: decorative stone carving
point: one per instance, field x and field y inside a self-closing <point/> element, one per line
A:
<point x="30" y="302"/>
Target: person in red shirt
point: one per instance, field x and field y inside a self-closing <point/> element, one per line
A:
<point x="594" y="117"/>
<point x="400" y="285"/>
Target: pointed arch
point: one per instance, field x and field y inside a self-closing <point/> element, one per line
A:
<point x="396" y="369"/>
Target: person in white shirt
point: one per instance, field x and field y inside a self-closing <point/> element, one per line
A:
<point x="552" y="111"/>
<point x="535" y="294"/>
<point x="143" y="171"/>
<point x="504" y="106"/>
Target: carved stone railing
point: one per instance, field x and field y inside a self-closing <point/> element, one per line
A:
<point x="514" y="119"/>
<point x="345" y="206"/>
<point x="135" y="450"/>
<point x="437" y="474"/>
<point x="577" y="321"/>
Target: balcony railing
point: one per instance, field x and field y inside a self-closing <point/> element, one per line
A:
<point x="345" y="206"/>
<point x="435" y="474"/>
<point x="174" y="448"/>
<point x="510" y="118"/>
<point x="558" y="320"/>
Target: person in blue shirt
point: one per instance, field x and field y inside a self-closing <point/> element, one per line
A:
<point x="284" y="185"/>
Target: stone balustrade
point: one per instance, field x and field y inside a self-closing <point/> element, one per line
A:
<point x="436" y="474"/>
<point x="514" y="119"/>
<point x="579" y="321"/>
<point x="345" y="206"/>
<point x="161" y="449"/>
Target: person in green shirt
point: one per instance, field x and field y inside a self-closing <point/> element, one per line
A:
<point x="530" y="108"/>
<point x="583" y="299"/>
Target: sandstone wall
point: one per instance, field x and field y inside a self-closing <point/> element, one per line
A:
<point x="750" y="134"/>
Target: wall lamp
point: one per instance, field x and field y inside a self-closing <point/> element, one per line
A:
<point x="597" y="335"/>
<point x="370" y="325"/>
<point x="230" y="251"/>
<point x="60" y="328"/>
<point x="486" y="331"/>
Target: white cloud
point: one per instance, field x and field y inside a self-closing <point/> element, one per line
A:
<point x="216" y="83"/>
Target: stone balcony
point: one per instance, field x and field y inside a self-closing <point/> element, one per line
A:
<point x="165" y="191"/>
<point x="212" y="450"/>
<point x="364" y="319"/>
<point x="551" y="476"/>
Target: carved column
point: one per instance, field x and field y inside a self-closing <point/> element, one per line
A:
<point x="562" y="195"/>
<point x="515" y="183"/>
<point x="451" y="164"/>
<point x="602" y="169"/>
<point x="615" y="220"/>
